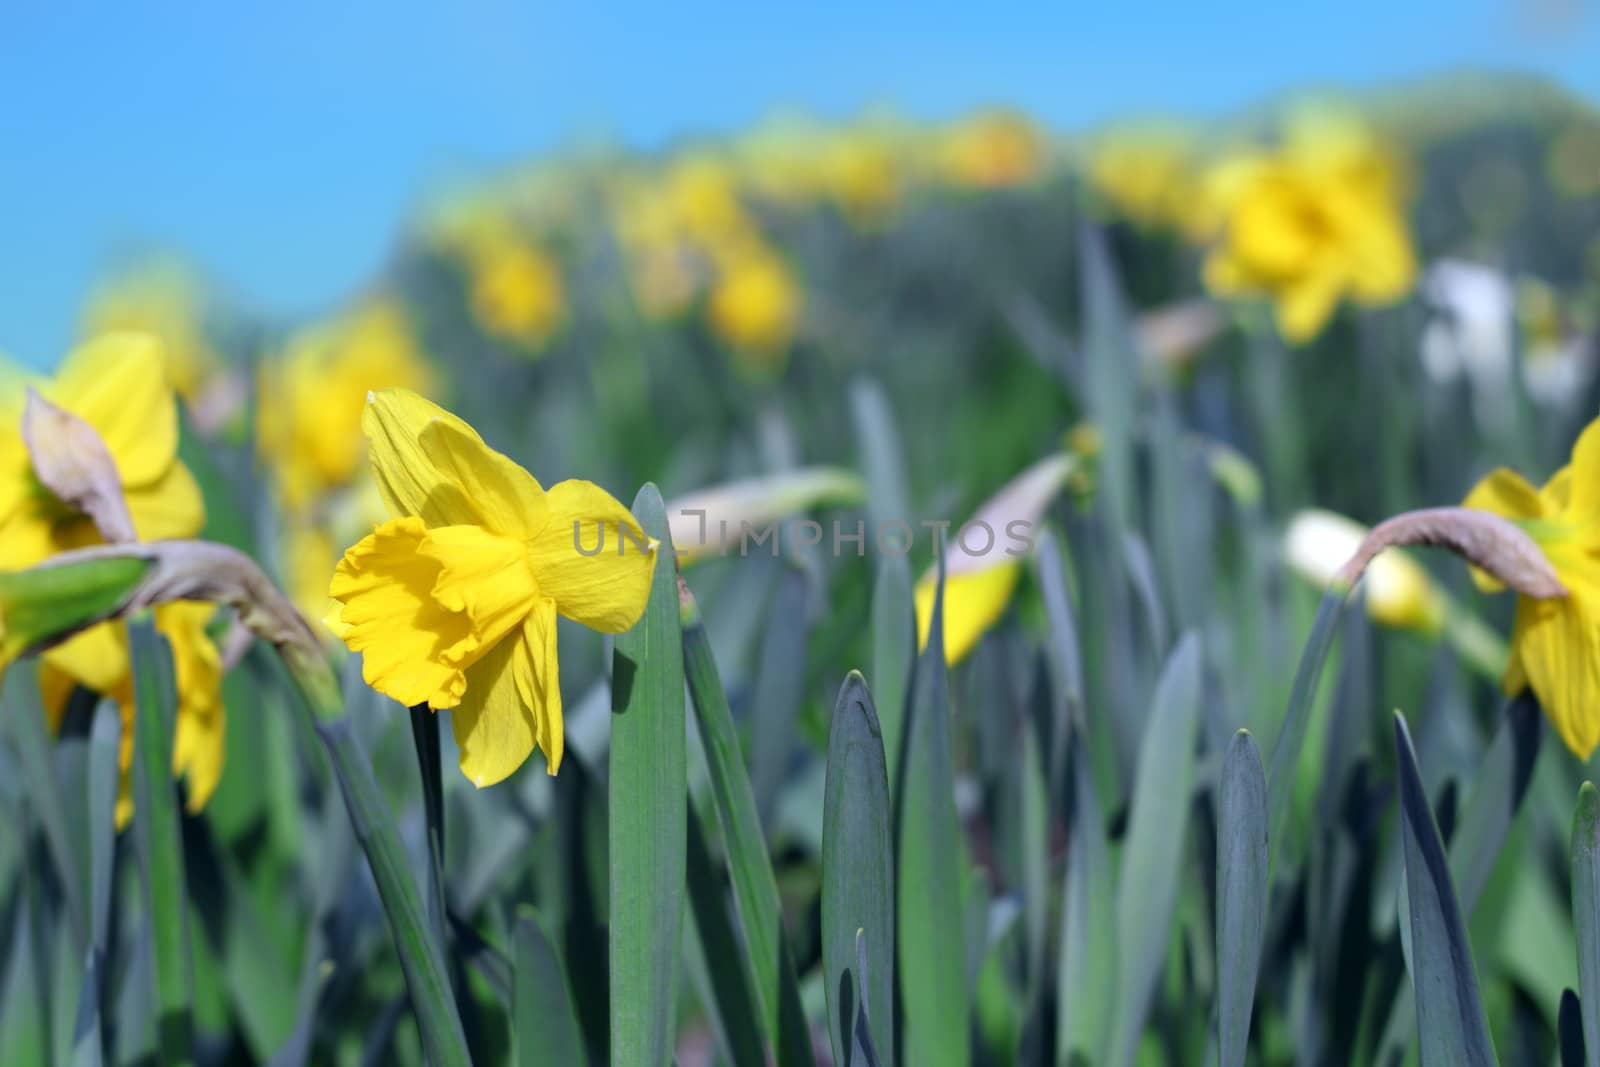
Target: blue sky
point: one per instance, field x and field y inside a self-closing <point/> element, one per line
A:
<point x="281" y="145"/>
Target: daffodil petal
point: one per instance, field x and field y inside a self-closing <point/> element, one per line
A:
<point x="1555" y="642"/>
<point x="198" y="743"/>
<point x="484" y="576"/>
<point x="494" y="726"/>
<point x="1583" y="504"/>
<point x="412" y="647"/>
<point x="431" y="464"/>
<point x="117" y="383"/>
<point x="591" y="558"/>
<point x="168" y="508"/>
<point x="1505" y="493"/>
<point x="539" y="631"/>
<point x="973" y="602"/>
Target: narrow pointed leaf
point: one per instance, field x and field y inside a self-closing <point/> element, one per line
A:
<point x="1086" y="979"/>
<point x="543" y="1023"/>
<point x="1241" y="893"/>
<point x="647" y="812"/>
<point x="1586" y="912"/>
<point x="857" y="875"/>
<point x="894" y="650"/>
<point x="1450" y="1019"/>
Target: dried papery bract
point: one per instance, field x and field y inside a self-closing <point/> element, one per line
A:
<point x="1487" y="541"/>
<point x="72" y="461"/>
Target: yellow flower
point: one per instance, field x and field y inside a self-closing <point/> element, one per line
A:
<point x="312" y="397"/>
<point x="165" y="300"/>
<point x="993" y="150"/>
<point x="116" y="383"/>
<point x="755" y="304"/>
<point x="516" y="291"/>
<point x="1318" y="220"/>
<point x="453" y="602"/>
<point x="1555" y="643"/>
<point x="1148" y="172"/>
<point x="98" y="660"/>
<point x="973" y="602"/>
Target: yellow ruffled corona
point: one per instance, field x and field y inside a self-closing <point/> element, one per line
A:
<point x="1555" y="643"/>
<point x="453" y="601"/>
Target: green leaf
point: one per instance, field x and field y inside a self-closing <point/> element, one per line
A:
<point x="929" y="873"/>
<point x="159" y="841"/>
<point x="1586" y="912"/>
<point x="88" y="1039"/>
<point x="1152" y="857"/>
<point x="779" y="687"/>
<point x="1086" y="979"/>
<point x="543" y="1023"/>
<point x="894" y="650"/>
<point x="1450" y="1019"/>
<point x="421" y="958"/>
<point x="44" y="603"/>
<point x="1241" y="892"/>
<point x="857" y="875"/>
<point x="648" y="812"/>
<point x="881" y="457"/>
<point x="755" y="889"/>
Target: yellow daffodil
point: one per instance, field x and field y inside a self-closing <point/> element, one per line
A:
<point x="312" y="397"/>
<point x="116" y="384"/>
<point x="98" y="660"/>
<point x="453" y="601"/>
<point x="1318" y="220"/>
<point x="1555" y="643"/>
<point x="166" y="301"/>
<point x="756" y="304"/>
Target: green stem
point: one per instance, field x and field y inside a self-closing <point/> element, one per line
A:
<point x="425" y="733"/>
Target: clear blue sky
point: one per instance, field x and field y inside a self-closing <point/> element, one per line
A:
<point x="280" y="146"/>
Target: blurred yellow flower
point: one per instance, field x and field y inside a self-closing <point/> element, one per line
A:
<point x="313" y="395"/>
<point x="165" y="300"/>
<point x="1150" y="173"/>
<point x="453" y="602"/>
<point x="98" y="659"/>
<point x="1317" y="220"/>
<point x="992" y="150"/>
<point x="117" y="384"/>
<point x="703" y="199"/>
<point x="756" y="304"/>
<point x="1555" y="643"/>
<point x="516" y="291"/>
<point x="861" y="176"/>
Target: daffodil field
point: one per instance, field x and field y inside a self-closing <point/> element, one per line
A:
<point x="874" y="593"/>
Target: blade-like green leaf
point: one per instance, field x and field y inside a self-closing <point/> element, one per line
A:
<point x="1241" y="893"/>
<point x="1450" y="1019"/>
<point x="1157" y="821"/>
<point x="881" y="458"/>
<point x="1586" y="912"/>
<point x="160" y="845"/>
<point x="1086" y="980"/>
<point x="857" y="874"/>
<point x="928" y="873"/>
<point x="88" y="1038"/>
<point x="648" y="812"/>
<point x="779" y="688"/>
<point x="543" y="1023"/>
<point x="894" y="649"/>
<point x="755" y="889"/>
